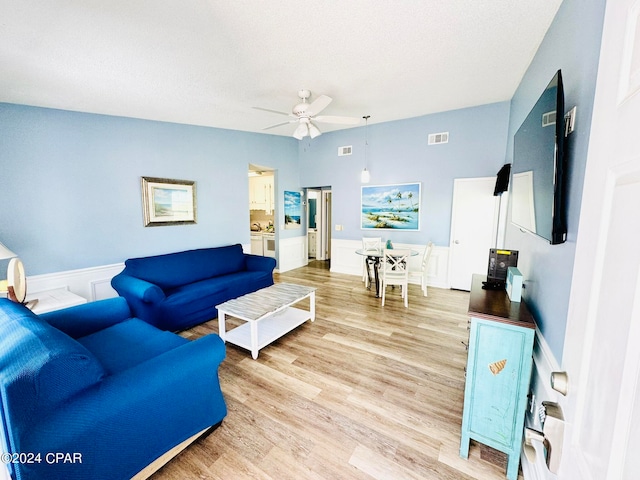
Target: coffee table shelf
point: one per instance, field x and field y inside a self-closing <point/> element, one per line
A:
<point x="268" y="314"/>
<point x="271" y="328"/>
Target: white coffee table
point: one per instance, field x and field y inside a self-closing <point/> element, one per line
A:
<point x="268" y="314"/>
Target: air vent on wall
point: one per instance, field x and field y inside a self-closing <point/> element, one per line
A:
<point x="548" y="119"/>
<point x="342" y="151"/>
<point x="436" y="138"/>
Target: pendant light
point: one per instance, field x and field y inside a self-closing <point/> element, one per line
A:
<point x="365" y="176"/>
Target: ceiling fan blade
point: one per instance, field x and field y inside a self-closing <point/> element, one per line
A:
<point x="318" y="105"/>
<point x="273" y="111"/>
<point x="335" y="119"/>
<point x="279" y="124"/>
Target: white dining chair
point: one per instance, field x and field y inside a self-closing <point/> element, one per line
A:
<point x="422" y="272"/>
<point x="369" y="243"/>
<point x="395" y="271"/>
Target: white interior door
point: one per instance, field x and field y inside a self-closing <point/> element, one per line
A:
<point x="474" y="221"/>
<point x="601" y="354"/>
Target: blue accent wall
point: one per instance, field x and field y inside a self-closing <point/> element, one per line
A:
<point x="70" y="185"/>
<point x="70" y="182"/>
<point x="398" y="153"/>
<point x="571" y="44"/>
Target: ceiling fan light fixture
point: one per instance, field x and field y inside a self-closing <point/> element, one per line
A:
<point x="303" y="112"/>
<point x="314" y="131"/>
<point x="301" y="132"/>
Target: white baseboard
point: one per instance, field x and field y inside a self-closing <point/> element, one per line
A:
<point x="344" y="259"/>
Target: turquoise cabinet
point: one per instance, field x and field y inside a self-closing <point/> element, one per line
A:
<point x="498" y="373"/>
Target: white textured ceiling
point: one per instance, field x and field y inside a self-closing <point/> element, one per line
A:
<point x="207" y="62"/>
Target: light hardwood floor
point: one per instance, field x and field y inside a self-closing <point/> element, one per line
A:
<point x="363" y="392"/>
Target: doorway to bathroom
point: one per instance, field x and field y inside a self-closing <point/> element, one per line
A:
<point x="319" y="223"/>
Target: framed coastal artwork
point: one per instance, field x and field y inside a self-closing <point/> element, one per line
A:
<point x="390" y="207"/>
<point x="168" y="202"/>
<point x="292" y="210"/>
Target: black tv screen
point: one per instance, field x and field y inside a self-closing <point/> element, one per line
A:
<point x="538" y="182"/>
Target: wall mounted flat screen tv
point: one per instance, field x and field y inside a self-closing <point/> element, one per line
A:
<point x="538" y="183"/>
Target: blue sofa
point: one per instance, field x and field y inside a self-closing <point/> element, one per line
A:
<point x="90" y="392"/>
<point x="179" y="290"/>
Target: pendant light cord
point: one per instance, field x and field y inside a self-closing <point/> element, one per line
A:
<point x="364" y="177"/>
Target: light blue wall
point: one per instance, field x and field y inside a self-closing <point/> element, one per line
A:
<point x="70" y="185"/>
<point x="573" y="45"/>
<point x="398" y="153"/>
<point x="70" y="182"/>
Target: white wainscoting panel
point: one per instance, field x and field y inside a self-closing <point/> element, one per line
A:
<point x="438" y="271"/>
<point x="292" y="253"/>
<point x="344" y="259"/>
<point x="91" y="283"/>
<point x="95" y="283"/>
<point x="544" y="363"/>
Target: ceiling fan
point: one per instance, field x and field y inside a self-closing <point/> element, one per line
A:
<point x="304" y="112"/>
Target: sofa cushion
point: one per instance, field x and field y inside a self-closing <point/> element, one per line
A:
<point x="175" y="269"/>
<point x="203" y="288"/>
<point x="128" y="344"/>
<point x="191" y="304"/>
<point x="40" y="366"/>
<point x="241" y="283"/>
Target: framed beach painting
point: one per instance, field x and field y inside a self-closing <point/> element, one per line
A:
<point x="168" y="202"/>
<point x="292" y="210"/>
<point x="390" y="207"/>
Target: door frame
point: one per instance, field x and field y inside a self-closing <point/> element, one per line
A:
<point x="323" y="221"/>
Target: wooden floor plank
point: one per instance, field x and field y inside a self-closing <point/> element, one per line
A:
<point x="364" y="392"/>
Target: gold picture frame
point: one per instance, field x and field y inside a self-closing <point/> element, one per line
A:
<point x="167" y="201"/>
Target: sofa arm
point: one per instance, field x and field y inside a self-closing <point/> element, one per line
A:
<point x="133" y="417"/>
<point x="132" y="287"/>
<point x="88" y="318"/>
<point x="258" y="262"/>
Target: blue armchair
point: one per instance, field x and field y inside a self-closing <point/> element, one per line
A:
<point x="90" y="392"/>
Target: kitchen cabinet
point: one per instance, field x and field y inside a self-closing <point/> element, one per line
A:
<point x="498" y="373"/>
<point x="256" y="244"/>
<point x="261" y="193"/>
